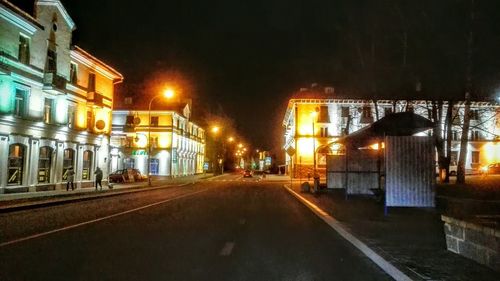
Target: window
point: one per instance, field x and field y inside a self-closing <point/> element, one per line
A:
<point x="24" y="49"/>
<point x="454" y="135"/>
<point x="73" y="73"/>
<point x="47" y="111"/>
<point x="68" y="162"/>
<point x="154" y="165"/>
<point x="475" y="135"/>
<point x="20" y="103"/>
<point x="474" y="114"/>
<point x="323" y="116"/>
<point x="324" y="132"/>
<point x="90" y="117"/>
<point x="128" y="100"/>
<point x="454" y="158"/>
<point x="44" y="162"/>
<point x="51" y="65"/>
<point x="366" y="115"/>
<point x="86" y="165"/>
<point x="475" y="157"/>
<point x="71" y="116"/>
<point x="91" y="85"/>
<point x="345" y="111"/>
<point x="16" y="163"/>
<point x="129" y="163"/>
<point x="387" y="111"/>
<point x="154" y="121"/>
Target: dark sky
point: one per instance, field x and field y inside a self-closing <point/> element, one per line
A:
<point x="247" y="57"/>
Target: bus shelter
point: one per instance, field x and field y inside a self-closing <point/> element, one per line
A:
<point x="387" y="159"/>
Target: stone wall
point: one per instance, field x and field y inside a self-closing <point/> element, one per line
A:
<point x="473" y="241"/>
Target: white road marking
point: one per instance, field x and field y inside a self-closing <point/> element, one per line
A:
<point x="341" y="230"/>
<point x="96" y="220"/>
<point x="227" y="249"/>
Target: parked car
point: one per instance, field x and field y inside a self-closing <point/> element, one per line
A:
<point x="123" y="175"/>
<point x="247" y="174"/>
<point x="491" y="169"/>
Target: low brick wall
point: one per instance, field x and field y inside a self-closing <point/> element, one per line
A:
<point x="473" y="241"/>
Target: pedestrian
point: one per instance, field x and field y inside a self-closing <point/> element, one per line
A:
<point x="98" y="177"/>
<point x="70" y="173"/>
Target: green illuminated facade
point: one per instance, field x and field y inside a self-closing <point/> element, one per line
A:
<point x="55" y="101"/>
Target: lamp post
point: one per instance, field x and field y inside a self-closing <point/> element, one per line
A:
<point x="167" y="94"/>
<point x="313" y="115"/>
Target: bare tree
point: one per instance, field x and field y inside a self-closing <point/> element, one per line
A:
<point x="468" y="88"/>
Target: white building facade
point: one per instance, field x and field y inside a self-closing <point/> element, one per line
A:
<point x="306" y="132"/>
<point x="177" y="144"/>
<point x="56" y="100"/>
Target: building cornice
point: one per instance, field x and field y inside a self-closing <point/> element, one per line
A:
<point x="92" y="62"/>
<point x="19" y="18"/>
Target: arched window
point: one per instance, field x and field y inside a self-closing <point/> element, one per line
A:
<point x="68" y="161"/>
<point x="44" y="163"/>
<point x="87" y="164"/>
<point x="16" y="163"/>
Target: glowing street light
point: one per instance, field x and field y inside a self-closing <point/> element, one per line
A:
<point x="168" y="94"/>
<point x="230" y="139"/>
<point x="215" y="129"/>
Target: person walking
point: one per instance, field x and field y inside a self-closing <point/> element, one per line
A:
<point x="98" y="177"/>
<point x="70" y="179"/>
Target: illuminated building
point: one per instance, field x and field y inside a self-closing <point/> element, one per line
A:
<point x="177" y="144"/>
<point x="56" y="100"/>
<point x="332" y="117"/>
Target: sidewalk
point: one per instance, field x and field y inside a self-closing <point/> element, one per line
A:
<point x="412" y="239"/>
<point x="25" y="200"/>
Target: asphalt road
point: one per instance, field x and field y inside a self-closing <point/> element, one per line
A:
<point x="228" y="228"/>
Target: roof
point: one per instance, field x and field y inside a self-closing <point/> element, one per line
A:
<point x="92" y="61"/>
<point x="395" y="124"/>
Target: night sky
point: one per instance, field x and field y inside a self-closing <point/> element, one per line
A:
<point x="246" y="58"/>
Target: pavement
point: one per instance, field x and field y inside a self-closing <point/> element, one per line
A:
<point x="411" y="239"/>
<point x="25" y="200"/>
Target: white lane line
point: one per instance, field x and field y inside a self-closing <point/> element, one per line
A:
<point x="95" y="220"/>
<point x="386" y="266"/>
<point x="227" y="249"/>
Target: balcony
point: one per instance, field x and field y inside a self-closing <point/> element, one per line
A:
<point x="95" y="99"/>
<point x="54" y="83"/>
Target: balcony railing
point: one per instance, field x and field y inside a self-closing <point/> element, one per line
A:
<point x="95" y="98"/>
<point x="52" y="81"/>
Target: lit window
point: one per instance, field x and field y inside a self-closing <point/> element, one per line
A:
<point x="47" y="111"/>
<point x="71" y="116"/>
<point x="16" y="164"/>
<point x="86" y="165"/>
<point x="68" y="162"/>
<point x="44" y="163"/>
<point x="20" y="103"/>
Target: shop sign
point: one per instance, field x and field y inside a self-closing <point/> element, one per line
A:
<point x="139" y="152"/>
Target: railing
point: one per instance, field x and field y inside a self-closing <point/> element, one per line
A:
<point x="54" y="81"/>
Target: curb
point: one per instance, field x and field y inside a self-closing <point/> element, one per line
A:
<point x="386" y="266"/>
<point x="84" y="196"/>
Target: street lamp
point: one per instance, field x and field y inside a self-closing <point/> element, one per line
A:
<point x="313" y="115"/>
<point x="168" y="93"/>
